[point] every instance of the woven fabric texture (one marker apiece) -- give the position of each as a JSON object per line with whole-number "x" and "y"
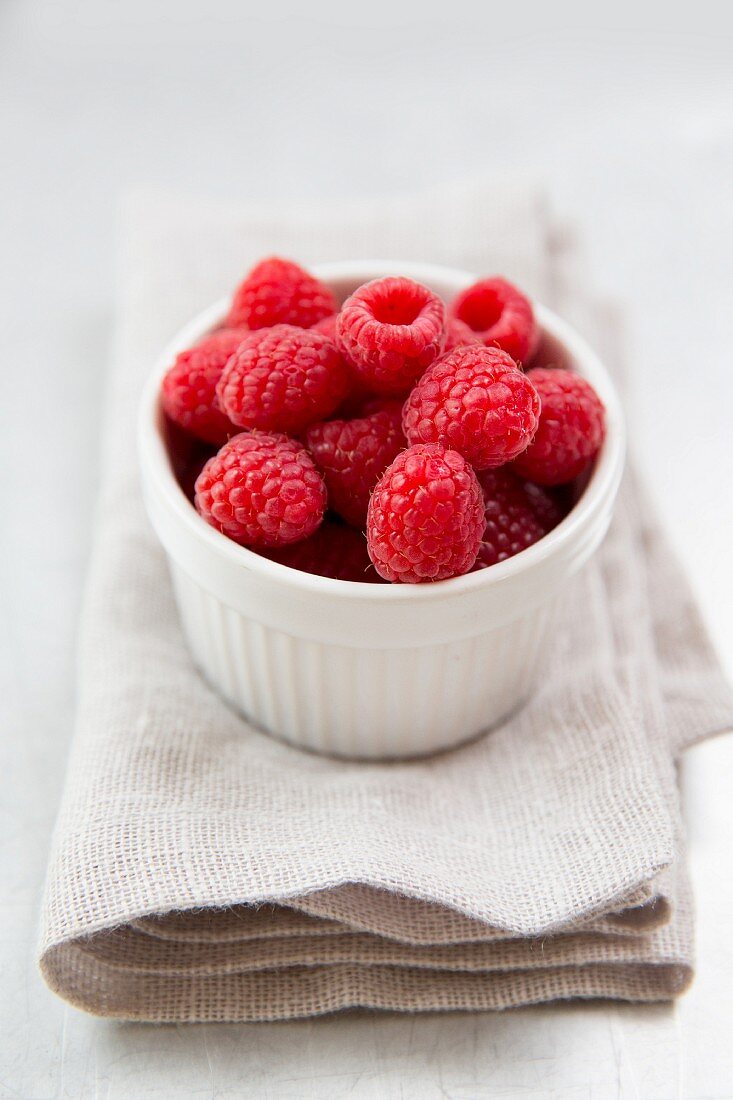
{"x": 203, "y": 871}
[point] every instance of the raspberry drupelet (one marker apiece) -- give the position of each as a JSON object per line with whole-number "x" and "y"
{"x": 475, "y": 400}
{"x": 500, "y": 315}
{"x": 282, "y": 379}
{"x": 426, "y": 516}
{"x": 353, "y": 454}
{"x": 391, "y": 330}
{"x": 571, "y": 428}
{"x": 189, "y": 388}
{"x": 261, "y": 489}
{"x": 280, "y": 292}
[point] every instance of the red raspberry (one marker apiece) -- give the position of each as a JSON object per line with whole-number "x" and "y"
{"x": 571, "y": 428}
{"x": 426, "y": 516}
{"x": 500, "y": 315}
{"x": 188, "y": 391}
{"x": 353, "y": 455}
{"x": 282, "y": 379}
{"x": 458, "y": 335}
{"x": 327, "y": 327}
{"x": 279, "y": 292}
{"x": 261, "y": 489}
{"x": 517, "y": 513}
{"x": 334, "y": 550}
{"x": 356, "y": 400}
{"x": 390, "y": 330}
{"x": 476, "y": 401}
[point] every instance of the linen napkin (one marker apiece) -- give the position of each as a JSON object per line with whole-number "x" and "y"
{"x": 204, "y": 871}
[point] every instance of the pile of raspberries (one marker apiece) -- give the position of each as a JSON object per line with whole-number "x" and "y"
{"x": 394, "y": 439}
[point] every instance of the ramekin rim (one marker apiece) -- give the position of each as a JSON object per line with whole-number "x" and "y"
{"x": 604, "y": 479}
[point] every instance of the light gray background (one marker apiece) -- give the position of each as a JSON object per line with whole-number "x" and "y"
{"x": 628, "y": 117}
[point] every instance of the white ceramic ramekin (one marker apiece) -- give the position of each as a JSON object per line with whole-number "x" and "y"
{"x": 365, "y": 670}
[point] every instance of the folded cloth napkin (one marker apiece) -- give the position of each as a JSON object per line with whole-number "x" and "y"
{"x": 204, "y": 871}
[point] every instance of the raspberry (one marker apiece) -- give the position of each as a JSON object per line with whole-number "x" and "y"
{"x": 500, "y": 315}
{"x": 353, "y": 455}
{"x": 475, "y": 400}
{"x": 571, "y": 428}
{"x": 391, "y": 330}
{"x": 426, "y": 516}
{"x": 188, "y": 391}
{"x": 326, "y": 327}
{"x": 279, "y": 292}
{"x": 334, "y": 550}
{"x": 517, "y": 514}
{"x": 261, "y": 489}
{"x": 458, "y": 335}
{"x": 282, "y": 379}
{"x": 356, "y": 400}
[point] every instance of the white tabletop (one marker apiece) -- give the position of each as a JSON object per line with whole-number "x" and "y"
{"x": 633, "y": 134}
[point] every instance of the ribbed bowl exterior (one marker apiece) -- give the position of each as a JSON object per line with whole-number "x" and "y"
{"x": 357, "y": 702}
